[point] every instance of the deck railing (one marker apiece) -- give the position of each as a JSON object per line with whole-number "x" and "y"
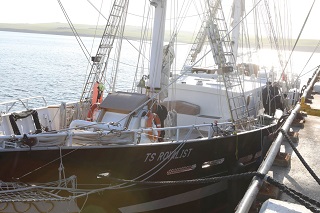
{"x": 256, "y": 183}
{"x": 13, "y": 141}
{"x": 24, "y": 103}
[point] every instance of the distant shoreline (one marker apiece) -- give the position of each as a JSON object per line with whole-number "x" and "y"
{"x": 38, "y": 32}
{"x": 132, "y": 33}
{"x": 41, "y": 32}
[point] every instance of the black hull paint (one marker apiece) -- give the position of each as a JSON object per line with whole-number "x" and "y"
{"x": 140, "y": 162}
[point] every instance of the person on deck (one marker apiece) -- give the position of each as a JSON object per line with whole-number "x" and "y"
{"x": 162, "y": 112}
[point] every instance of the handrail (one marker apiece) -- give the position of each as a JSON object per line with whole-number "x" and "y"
{"x": 24, "y": 101}
{"x": 256, "y": 183}
{"x": 177, "y": 128}
{"x": 137, "y": 133}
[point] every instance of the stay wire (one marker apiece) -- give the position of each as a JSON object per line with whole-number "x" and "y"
{"x": 82, "y": 46}
{"x": 107, "y": 20}
{"x": 295, "y": 44}
{"x": 96, "y": 29}
{"x": 315, "y": 49}
{"x": 312, "y": 70}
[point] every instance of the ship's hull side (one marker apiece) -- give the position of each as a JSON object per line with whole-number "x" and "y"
{"x": 200, "y": 158}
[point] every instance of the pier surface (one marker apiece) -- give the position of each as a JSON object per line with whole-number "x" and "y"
{"x": 295, "y": 175}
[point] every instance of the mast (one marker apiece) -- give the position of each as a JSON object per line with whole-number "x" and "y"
{"x": 237, "y": 12}
{"x": 157, "y": 45}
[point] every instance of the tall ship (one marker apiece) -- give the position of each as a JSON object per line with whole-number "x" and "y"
{"x": 138, "y": 150}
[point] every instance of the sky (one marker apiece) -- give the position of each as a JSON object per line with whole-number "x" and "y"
{"x": 81, "y": 12}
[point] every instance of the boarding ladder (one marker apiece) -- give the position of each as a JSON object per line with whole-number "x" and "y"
{"x": 114, "y": 27}
{"x": 221, "y": 48}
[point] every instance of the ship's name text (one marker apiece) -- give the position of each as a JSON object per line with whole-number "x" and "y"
{"x": 184, "y": 153}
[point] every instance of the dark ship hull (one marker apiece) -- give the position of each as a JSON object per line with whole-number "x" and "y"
{"x": 101, "y": 169}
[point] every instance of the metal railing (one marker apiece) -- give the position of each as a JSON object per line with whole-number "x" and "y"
{"x": 256, "y": 183}
{"x": 22, "y": 102}
{"x": 12, "y": 141}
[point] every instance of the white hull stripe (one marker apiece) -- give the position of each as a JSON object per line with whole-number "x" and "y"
{"x": 177, "y": 199}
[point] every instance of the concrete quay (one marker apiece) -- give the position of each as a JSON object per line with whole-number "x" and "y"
{"x": 289, "y": 170}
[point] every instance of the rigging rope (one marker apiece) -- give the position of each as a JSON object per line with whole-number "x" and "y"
{"x": 82, "y": 46}
{"x": 94, "y": 36}
{"x": 300, "y": 157}
{"x": 312, "y": 70}
{"x": 315, "y": 49}
{"x": 142, "y": 46}
{"x": 295, "y": 44}
{"x": 124, "y": 37}
{"x": 273, "y": 33}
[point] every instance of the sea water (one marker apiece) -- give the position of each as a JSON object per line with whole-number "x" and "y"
{"x": 55, "y": 67}
{"x": 40, "y": 65}
{"x": 52, "y": 66}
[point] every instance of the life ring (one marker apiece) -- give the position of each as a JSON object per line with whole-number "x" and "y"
{"x": 92, "y": 113}
{"x": 153, "y": 121}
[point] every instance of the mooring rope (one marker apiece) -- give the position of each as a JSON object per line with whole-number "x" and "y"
{"x": 300, "y": 156}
